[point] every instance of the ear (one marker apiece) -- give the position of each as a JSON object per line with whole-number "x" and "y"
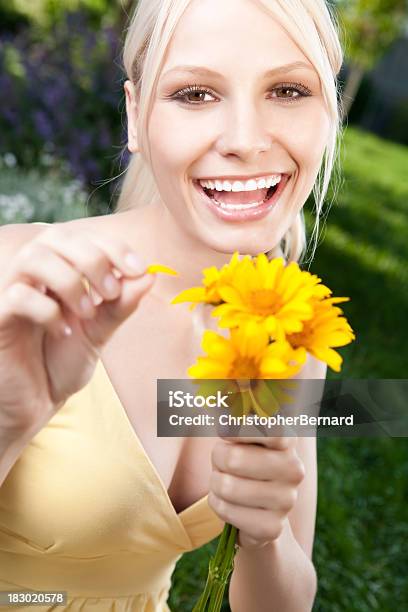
{"x": 131, "y": 111}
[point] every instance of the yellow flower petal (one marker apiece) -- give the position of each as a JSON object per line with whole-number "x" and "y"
{"x": 276, "y": 314}
{"x": 159, "y": 268}
{"x": 215, "y": 345}
{"x": 195, "y": 294}
{"x": 329, "y": 356}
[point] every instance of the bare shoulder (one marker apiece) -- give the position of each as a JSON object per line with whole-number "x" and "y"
{"x": 111, "y": 224}
{"x": 15, "y": 235}
{"x": 98, "y": 222}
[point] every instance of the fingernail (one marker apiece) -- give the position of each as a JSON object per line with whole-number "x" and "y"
{"x": 86, "y": 306}
{"x": 96, "y": 298}
{"x": 66, "y": 330}
{"x": 135, "y": 263}
{"x": 111, "y": 284}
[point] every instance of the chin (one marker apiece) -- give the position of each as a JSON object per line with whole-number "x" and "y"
{"x": 247, "y": 239}
{"x": 243, "y": 245}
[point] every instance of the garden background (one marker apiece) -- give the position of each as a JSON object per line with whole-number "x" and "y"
{"x": 63, "y": 142}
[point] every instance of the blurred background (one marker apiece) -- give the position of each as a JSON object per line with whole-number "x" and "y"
{"x": 63, "y": 149}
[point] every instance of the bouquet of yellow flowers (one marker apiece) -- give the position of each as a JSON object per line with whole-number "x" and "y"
{"x": 275, "y": 314}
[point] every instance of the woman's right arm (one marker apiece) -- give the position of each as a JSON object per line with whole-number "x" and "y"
{"x": 42, "y": 269}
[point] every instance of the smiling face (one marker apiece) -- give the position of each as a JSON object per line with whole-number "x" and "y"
{"x": 241, "y": 123}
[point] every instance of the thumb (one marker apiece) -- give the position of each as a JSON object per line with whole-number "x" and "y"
{"x": 112, "y": 313}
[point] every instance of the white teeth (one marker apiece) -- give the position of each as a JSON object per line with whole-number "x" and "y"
{"x": 238, "y": 206}
{"x": 251, "y": 185}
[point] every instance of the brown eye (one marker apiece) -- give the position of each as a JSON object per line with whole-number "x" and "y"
{"x": 197, "y": 94}
{"x": 291, "y": 92}
{"x": 184, "y": 95}
{"x": 287, "y": 90}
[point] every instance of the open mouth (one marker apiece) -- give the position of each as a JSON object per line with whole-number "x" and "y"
{"x": 242, "y": 205}
{"x": 252, "y": 198}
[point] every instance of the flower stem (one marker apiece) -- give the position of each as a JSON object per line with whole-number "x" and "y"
{"x": 227, "y": 565}
{"x": 220, "y": 568}
{"x": 214, "y": 563}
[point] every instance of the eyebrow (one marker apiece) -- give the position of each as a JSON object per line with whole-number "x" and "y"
{"x": 201, "y": 70}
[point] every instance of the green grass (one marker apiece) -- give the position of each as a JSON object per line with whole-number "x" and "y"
{"x": 360, "y": 550}
{"x": 363, "y": 254}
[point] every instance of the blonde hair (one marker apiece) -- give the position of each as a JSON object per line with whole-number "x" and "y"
{"x": 315, "y": 30}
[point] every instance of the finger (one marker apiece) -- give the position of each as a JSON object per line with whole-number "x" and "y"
{"x": 124, "y": 259}
{"x": 248, "y": 460}
{"x": 250, "y": 493}
{"x": 101, "y": 259}
{"x": 121, "y": 256}
{"x": 110, "y": 315}
{"x": 26, "y": 302}
{"x": 277, "y": 442}
{"x": 257, "y": 523}
{"x": 38, "y": 264}
{"x": 246, "y": 541}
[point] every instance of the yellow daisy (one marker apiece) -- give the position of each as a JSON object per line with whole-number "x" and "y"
{"x": 246, "y": 354}
{"x": 324, "y": 330}
{"x": 212, "y": 279}
{"x": 261, "y": 396}
{"x": 268, "y": 292}
{"x": 268, "y": 396}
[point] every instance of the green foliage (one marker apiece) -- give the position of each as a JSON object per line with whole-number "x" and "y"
{"x": 398, "y": 129}
{"x": 364, "y": 252}
{"x": 64, "y": 92}
{"x": 38, "y": 195}
{"x": 370, "y": 26}
{"x": 11, "y": 20}
{"x": 361, "y": 528}
{"x": 45, "y": 12}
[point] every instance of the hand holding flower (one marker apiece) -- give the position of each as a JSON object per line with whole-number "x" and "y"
{"x": 254, "y": 485}
{"x": 276, "y": 314}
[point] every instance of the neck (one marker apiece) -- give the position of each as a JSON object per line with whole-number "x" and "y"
{"x": 162, "y": 241}
{"x": 153, "y": 233}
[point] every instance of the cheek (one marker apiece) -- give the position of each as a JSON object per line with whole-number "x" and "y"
{"x": 171, "y": 154}
{"x": 308, "y": 138}
{"x": 176, "y": 137}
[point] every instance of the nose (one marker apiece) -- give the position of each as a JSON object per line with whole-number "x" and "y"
{"x": 244, "y": 134}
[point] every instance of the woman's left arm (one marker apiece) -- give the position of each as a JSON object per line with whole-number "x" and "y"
{"x": 280, "y": 575}
{"x": 270, "y": 493}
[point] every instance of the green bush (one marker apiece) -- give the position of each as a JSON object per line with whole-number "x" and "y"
{"x": 64, "y": 97}
{"x": 398, "y": 129}
{"x": 27, "y": 196}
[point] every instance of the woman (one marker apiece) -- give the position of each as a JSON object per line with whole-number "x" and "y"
{"x": 92, "y": 502}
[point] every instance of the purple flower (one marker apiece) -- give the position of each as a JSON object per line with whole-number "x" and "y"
{"x": 43, "y": 125}
{"x": 70, "y": 96}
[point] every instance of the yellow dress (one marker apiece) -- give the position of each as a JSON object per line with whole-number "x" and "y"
{"x": 84, "y": 511}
